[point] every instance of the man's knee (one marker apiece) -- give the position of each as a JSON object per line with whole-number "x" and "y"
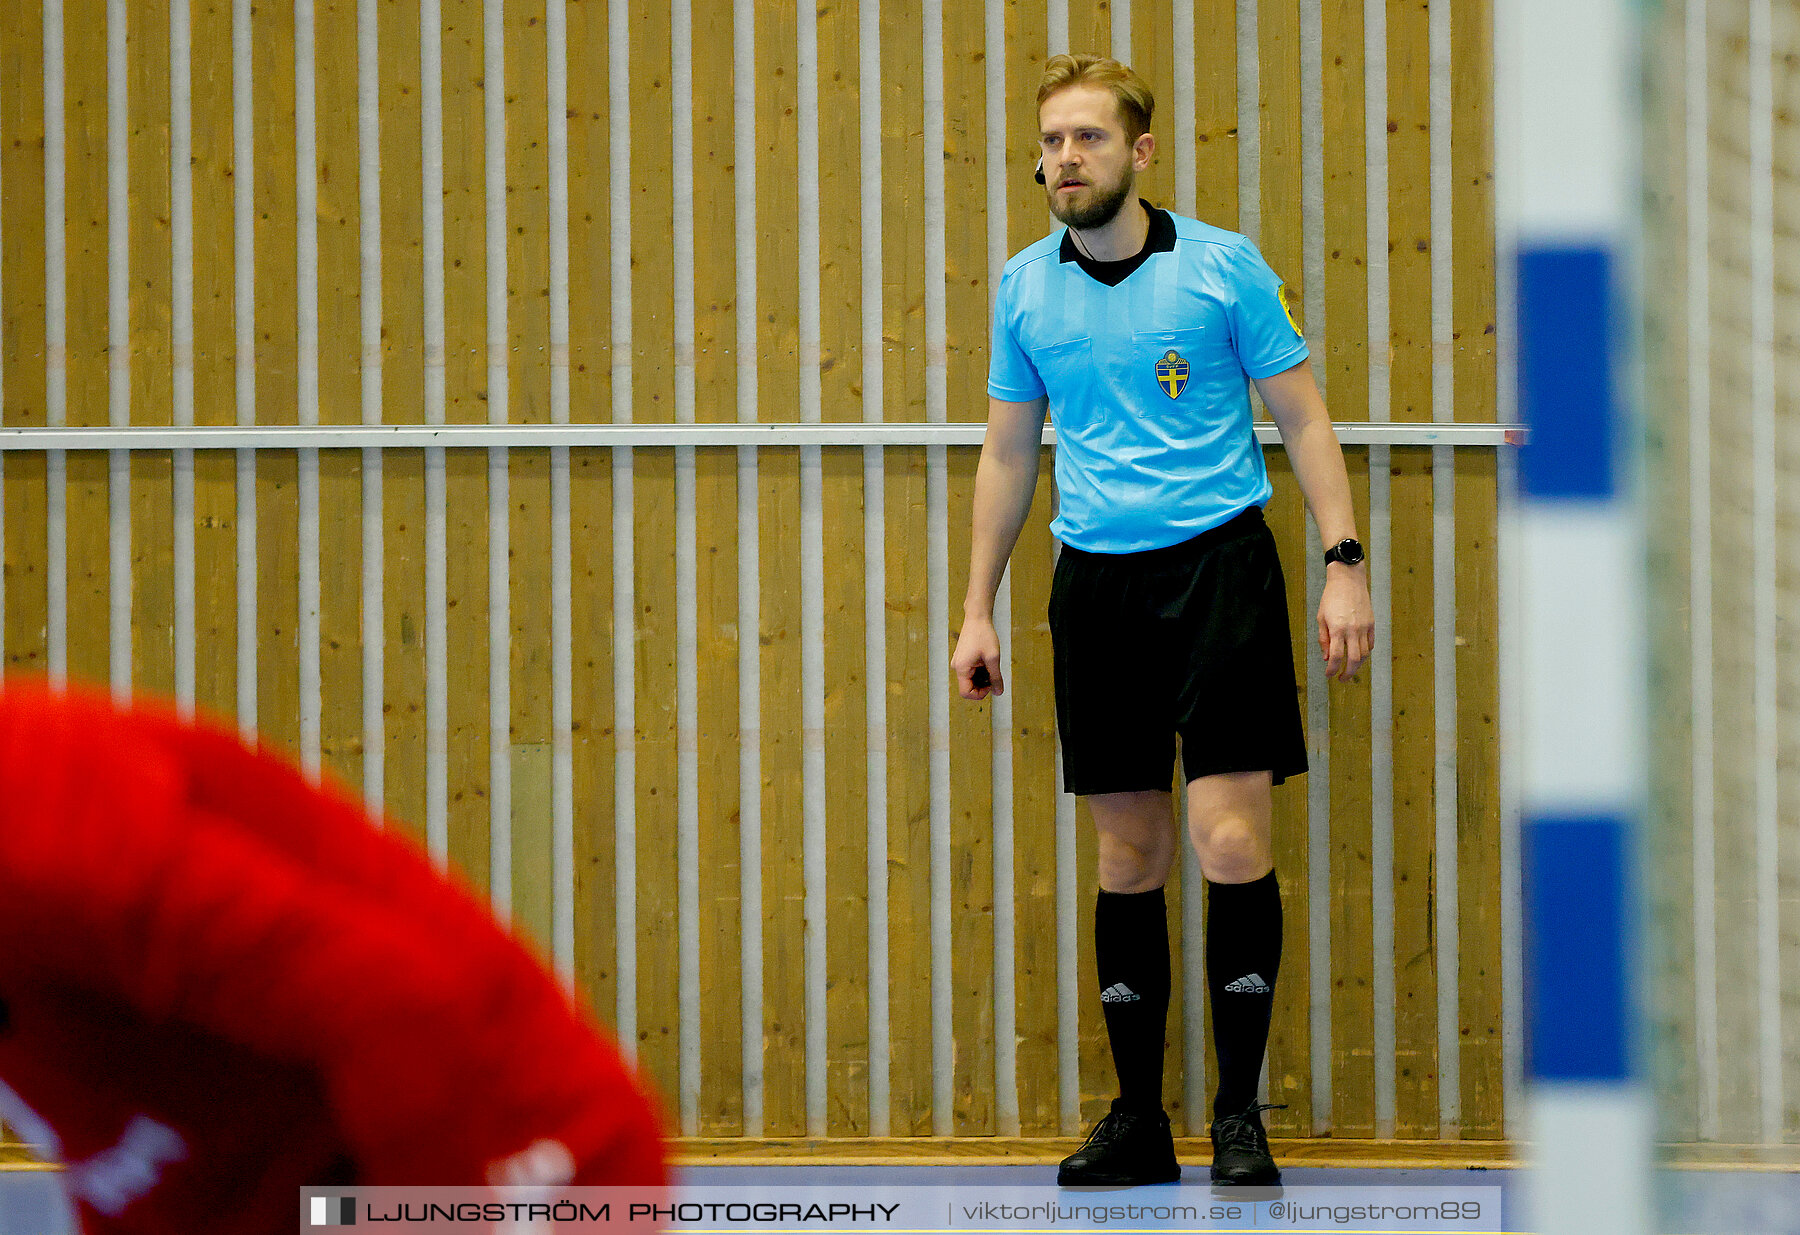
{"x": 1128, "y": 867}
{"x": 1232, "y": 848}
{"x": 1136, "y": 840}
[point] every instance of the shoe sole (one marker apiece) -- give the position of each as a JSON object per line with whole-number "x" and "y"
{"x": 1271, "y": 1181}
{"x": 1066, "y": 1180}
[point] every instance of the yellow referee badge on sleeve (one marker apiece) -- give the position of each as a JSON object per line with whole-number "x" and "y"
{"x": 1172, "y": 373}
{"x": 1290, "y": 305}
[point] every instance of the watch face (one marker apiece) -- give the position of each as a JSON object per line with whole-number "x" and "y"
{"x": 1349, "y": 552}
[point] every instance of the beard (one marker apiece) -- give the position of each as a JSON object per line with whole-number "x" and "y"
{"x": 1098, "y": 209}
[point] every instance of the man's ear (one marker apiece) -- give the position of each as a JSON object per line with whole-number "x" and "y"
{"x": 1141, "y": 150}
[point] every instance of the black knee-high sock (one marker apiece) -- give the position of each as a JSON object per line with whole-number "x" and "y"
{"x": 1131, "y": 951}
{"x": 1243, "y": 952}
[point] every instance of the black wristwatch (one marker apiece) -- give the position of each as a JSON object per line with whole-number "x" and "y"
{"x": 1349, "y": 551}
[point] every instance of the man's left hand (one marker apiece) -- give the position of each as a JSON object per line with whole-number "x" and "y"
{"x": 1346, "y": 620}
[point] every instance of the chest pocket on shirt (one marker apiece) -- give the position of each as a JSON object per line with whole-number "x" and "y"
{"x": 1168, "y": 362}
{"x": 1065, "y": 369}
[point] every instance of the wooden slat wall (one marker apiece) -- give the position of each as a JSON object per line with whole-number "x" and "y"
{"x": 1670, "y": 896}
{"x": 782, "y": 737}
{"x": 1474, "y": 322}
{"x": 1410, "y": 642}
{"x": 152, "y": 369}
{"x": 653, "y": 543}
{"x": 24, "y": 380}
{"x": 87, "y": 508}
{"x": 528, "y": 369}
{"x": 846, "y": 736}
{"x": 966, "y": 303}
{"x": 340, "y": 390}
{"x": 591, "y": 510}
{"x": 1028, "y": 678}
{"x": 773, "y": 1092}
{"x": 908, "y": 606}
{"x": 1344, "y": 371}
{"x": 215, "y": 358}
{"x": 469, "y": 803}
{"x": 276, "y": 236}
{"x": 1733, "y": 555}
{"x": 717, "y": 656}
{"x": 1721, "y": 163}
{"x": 403, "y": 401}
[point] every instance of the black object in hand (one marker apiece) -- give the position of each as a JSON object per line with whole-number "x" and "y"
{"x": 979, "y": 678}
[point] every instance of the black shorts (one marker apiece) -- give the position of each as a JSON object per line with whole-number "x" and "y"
{"x": 1192, "y": 639}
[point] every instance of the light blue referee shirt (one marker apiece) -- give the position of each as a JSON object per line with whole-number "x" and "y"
{"x": 1146, "y": 381}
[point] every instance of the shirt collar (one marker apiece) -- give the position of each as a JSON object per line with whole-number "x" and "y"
{"x": 1160, "y": 240}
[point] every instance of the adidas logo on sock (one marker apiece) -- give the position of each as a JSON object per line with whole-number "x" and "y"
{"x": 1249, "y": 984}
{"x": 1118, "y": 992}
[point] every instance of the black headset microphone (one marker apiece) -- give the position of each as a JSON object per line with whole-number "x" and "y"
{"x": 1039, "y": 174}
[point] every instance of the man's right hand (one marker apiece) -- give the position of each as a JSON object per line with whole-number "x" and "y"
{"x": 978, "y": 647}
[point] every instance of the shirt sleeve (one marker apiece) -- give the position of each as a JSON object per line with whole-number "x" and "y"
{"x": 1011, "y": 375}
{"x": 1264, "y": 333}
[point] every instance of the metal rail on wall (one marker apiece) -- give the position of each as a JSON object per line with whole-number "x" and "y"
{"x": 328, "y": 437}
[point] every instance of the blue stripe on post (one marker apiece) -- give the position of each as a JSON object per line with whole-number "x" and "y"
{"x": 1577, "y": 894}
{"x": 1566, "y": 332}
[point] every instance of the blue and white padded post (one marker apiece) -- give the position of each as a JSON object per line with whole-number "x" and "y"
{"x": 1568, "y": 102}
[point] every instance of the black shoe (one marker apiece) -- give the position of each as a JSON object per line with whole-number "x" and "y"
{"x": 1124, "y": 1150}
{"x": 1241, "y": 1157}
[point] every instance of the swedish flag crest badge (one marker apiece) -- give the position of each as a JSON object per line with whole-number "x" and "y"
{"x": 1172, "y": 374}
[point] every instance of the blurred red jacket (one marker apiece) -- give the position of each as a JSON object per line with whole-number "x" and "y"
{"x": 220, "y": 982}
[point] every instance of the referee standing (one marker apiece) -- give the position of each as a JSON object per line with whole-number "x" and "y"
{"x": 1136, "y": 329}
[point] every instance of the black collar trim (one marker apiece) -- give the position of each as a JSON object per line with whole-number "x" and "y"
{"x": 1160, "y": 240}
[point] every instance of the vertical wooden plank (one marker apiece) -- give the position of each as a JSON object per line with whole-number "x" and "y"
{"x": 971, "y": 725}
{"x": 528, "y": 402}
{"x": 215, "y": 357}
{"x": 716, "y": 600}
{"x": 653, "y": 543}
{"x": 152, "y": 361}
{"x": 1090, "y": 26}
{"x": 1290, "y": 1030}
{"x": 85, "y": 237}
{"x": 1414, "y": 724}
{"x": 590, "y": 500}
{"x": 1153, "y": 53}
{"x": 846, "y": 934}
{"x": 467, "y": 743}
{"x": 468, "y": 792}
{"x": 908, "y": 603}
{"x": 1733, "y": 572}
{"x": 1415, "y": 974}
{"x": 778, "y": 389}
{"x": 403, "y": 396}
{"x": 1666, "y": 461}
{"x": 1025, "y": 650}
{"x": 1279, "y": 95}
{"x": 1785, "y": 37}
{"x": 1343, "y": 368}
{"x": 22, "y": 330}
{"x": 340, "y": 389}
{"x": 277, "y": 471}
{"x": 1480, "y": 877}
{"x": 846, "y": 937}
{"x": 1215, "y": 111}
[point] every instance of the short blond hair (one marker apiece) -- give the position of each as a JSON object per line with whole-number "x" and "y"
{"x": 1136, "y": 103}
